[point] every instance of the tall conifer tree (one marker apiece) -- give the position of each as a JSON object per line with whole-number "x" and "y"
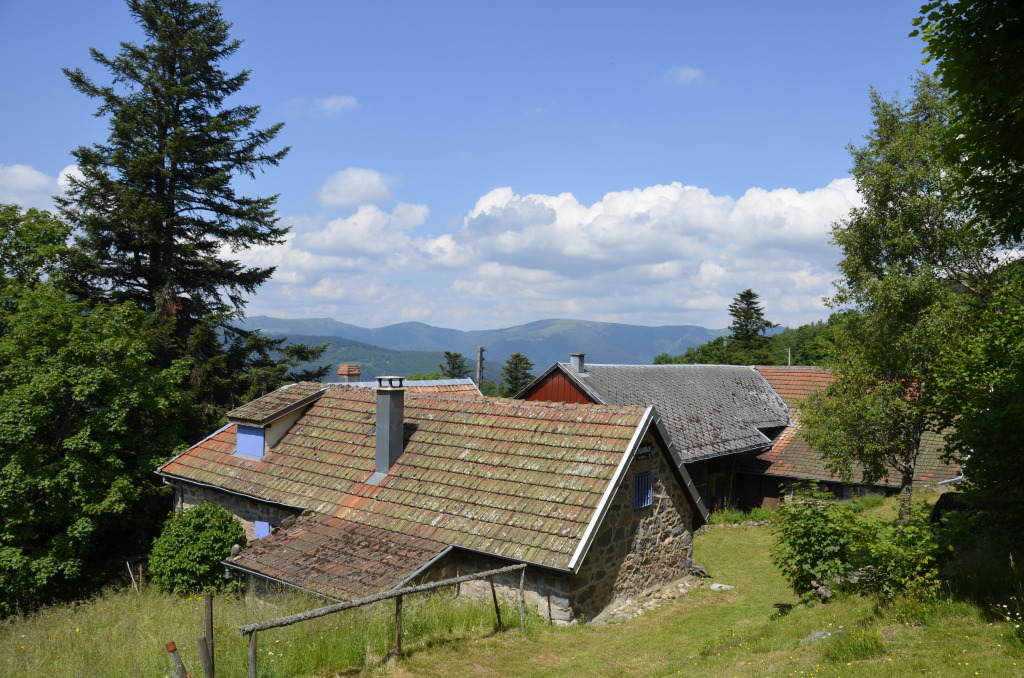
{"x": 156, "y": 204}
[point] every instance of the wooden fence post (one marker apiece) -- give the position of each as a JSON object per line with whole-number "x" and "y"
{"x": 522, "y": 600}
{"x": 252, "y": 654}
{"x": 398, "y": 626}
{"x": 209, "y": 631}
{"x": 204, "y": 657}
{"x": 494, "y": 596}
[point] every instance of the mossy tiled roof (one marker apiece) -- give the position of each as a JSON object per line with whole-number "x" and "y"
{"x": 513, "y": 478}
{"x": 791, "y": 456}
{"x": 337, "y": 558}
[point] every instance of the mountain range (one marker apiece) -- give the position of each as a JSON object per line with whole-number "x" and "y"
{"x": 414, "y": 347}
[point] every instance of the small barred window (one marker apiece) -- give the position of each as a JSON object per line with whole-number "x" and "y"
{"x": 643, "y": 490}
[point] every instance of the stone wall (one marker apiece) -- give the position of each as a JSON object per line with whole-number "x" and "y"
{"x": 545, "y": 592}
{"x": 637, "y": 549}
{"x": 248, "y": 511}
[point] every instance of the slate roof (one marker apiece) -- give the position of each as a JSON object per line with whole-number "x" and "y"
{"x": 708, "y": 410}
{"x": 521, "y": 480}
{"x": 792, "y": 457}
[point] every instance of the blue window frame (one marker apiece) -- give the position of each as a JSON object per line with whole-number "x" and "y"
{"x": 262, "y": 528}
{"x": 643, "y": 489}
{"x": 250, "y": 440}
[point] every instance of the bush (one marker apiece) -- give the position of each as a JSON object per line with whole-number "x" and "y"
{"x": 186, "y": 556}
{"x": 817, "y": 539}
{"x": 904, "y": 557}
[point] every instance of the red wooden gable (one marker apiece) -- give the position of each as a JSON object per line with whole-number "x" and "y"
{"x": 557, "y": 388}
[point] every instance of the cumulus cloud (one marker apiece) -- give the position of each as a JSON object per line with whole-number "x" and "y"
{"x": 683, "y": 75}
{"x": 334, "y": 105}
{"x": 353, "y": 187}
{"x": 28, "y": 187}
{"x": 663, "y": 254}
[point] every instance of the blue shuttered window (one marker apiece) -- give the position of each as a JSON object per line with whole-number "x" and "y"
{"x": 643, "y": 490}
{"x": 261, "y": 528}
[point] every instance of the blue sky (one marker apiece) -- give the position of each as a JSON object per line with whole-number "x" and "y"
{"x": 476, "y": 165}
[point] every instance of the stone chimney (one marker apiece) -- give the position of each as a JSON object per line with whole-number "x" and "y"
{"x": 348, "y": 373}
{"x": 390, "y": 420}
{"x": 577, "y": 363}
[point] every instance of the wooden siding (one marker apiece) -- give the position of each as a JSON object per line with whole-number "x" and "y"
{"x": 556, "y": 388}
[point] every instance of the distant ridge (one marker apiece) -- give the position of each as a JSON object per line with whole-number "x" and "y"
{"x": 544, "y": 341}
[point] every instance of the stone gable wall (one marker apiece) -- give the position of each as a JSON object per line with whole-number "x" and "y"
{"x": 248, "y": 511}
{"x": 637, "y": 549}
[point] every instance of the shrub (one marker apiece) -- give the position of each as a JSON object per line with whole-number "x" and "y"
{"x": 824, "y": 540}
{"x": 904, "y": 557}
{"x": 186, "y": 556}
{"x": 816, "y": 539}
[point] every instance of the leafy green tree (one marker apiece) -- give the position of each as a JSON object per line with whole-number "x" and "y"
{"x": 186, "y": 557}
{"x": 821, "y": 543}
{"x": 156, "y": 211}
{"x": 454, "y": 366}
{"x": 977, "y": 48}
{"x": 85, "y": 415}
{"x": 516, "y": 374}
{"x": 816, "y": 540}
{"x": 425, "y": 376}
{"x": 805, "y": 345}
{"x": 901, "y": 250}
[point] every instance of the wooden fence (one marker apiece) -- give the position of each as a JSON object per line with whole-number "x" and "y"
{"x": 252, "y": 629}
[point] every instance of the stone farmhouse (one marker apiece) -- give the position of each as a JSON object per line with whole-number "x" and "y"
{"x": 716, "y": 415}
{"x": 763, "y": 479}
{"x": 347, "y": 490}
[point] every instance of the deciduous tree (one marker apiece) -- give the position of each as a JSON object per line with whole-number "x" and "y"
{"x": 85, "y": 415}
{"x": 902, "y": 250}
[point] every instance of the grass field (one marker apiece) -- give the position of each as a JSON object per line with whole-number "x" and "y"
{"x": 756, "y": 629}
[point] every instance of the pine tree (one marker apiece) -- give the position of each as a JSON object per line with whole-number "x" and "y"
{"x": 156, "y": 205}
{"x": 454, "y": 366}
{"x": 748, "y": 322}
{"x": 516, "y": 374}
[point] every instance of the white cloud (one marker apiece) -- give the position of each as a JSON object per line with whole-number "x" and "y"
{"x": 353, "y": 187}
{"x": 683, "y": 75}
{"x": 334, "y": 105}
{"x": 369, "y": 232}
{"x": 28, "y": 187}
{"x": 663, "y": 254}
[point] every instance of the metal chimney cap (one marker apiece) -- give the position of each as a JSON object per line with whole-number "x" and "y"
{"x": 392, "y": 382}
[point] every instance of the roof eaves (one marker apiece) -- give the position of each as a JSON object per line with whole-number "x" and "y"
{"x": 424, "y": 567}
{"x": 688, "y": 484}
{"x": 168, "y": 478}
{"x": 234, "y": 566}
{"x": 159, "y": 469}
